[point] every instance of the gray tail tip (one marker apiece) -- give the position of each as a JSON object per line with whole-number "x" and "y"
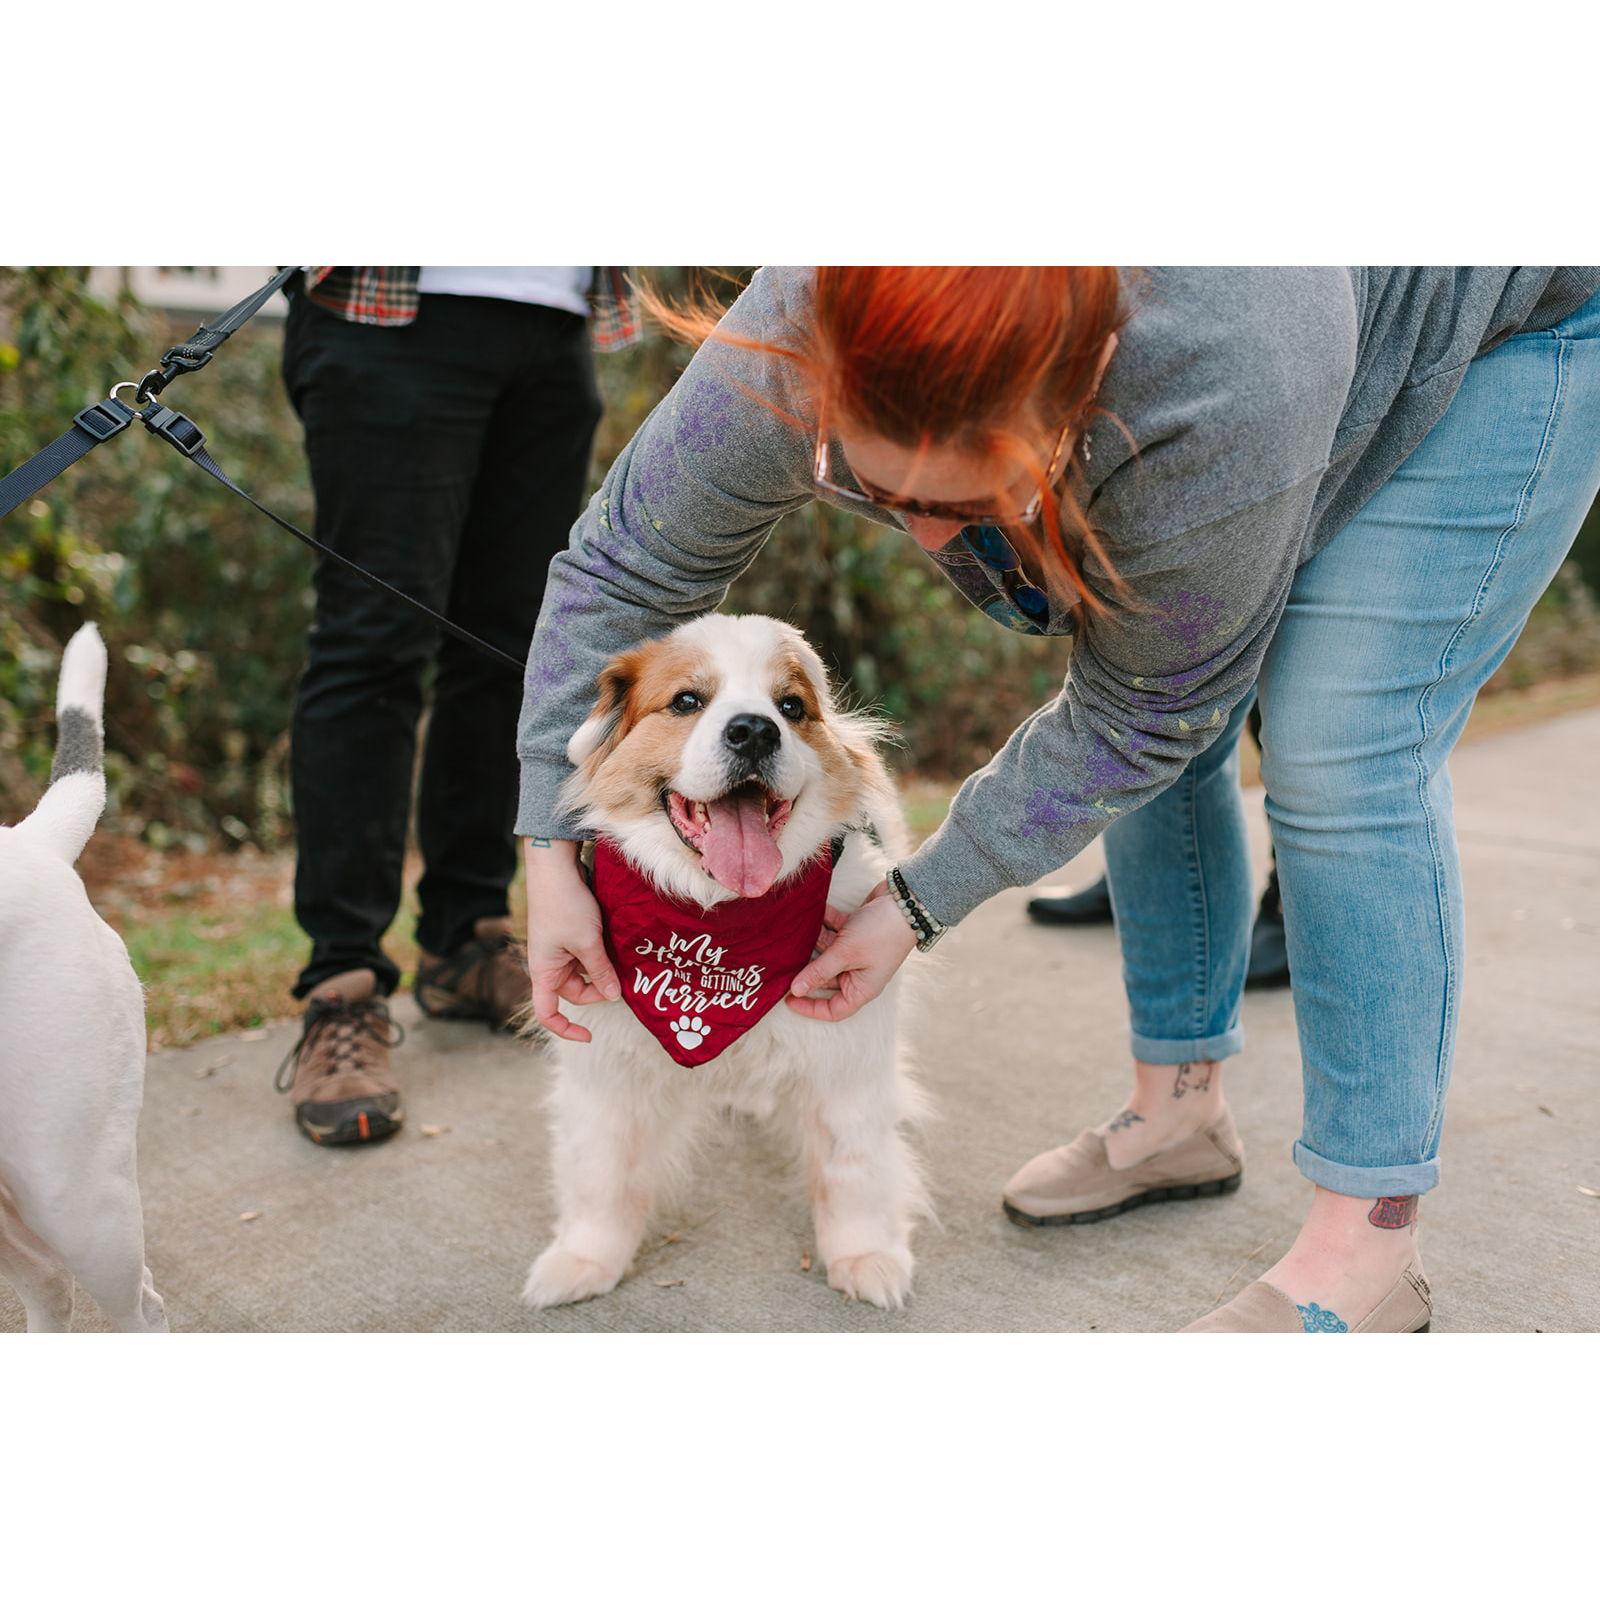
{"x": 80, "y": 745}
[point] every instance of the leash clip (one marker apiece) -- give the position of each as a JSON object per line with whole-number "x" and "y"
{"x": 174, "y": 427}
{"x": 179, "y": 359}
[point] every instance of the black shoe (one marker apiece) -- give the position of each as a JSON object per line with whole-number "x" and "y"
{"x": 1081, "y": 910}
{"x": 1269, "y": 951}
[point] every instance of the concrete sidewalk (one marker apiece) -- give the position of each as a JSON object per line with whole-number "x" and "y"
{"x": 1022, "y": 1039}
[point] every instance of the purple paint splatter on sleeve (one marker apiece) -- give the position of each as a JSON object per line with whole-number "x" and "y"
{"x": 1190, "y": 618}
{"x": 704, "y": 417}
{"x": 1051, "y": 811}
{"x": 1190, "y": 676}
{"x": 697, "y": 421}
{"x": 1110, "y": 770}
{"x": 652, "y": 468}
{"x": 551, "y": 661}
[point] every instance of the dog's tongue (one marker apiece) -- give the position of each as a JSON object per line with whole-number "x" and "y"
{"x": 738, "y": 851}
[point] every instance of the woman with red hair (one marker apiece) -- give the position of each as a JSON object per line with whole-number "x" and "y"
{"x": 1338, "y": 490}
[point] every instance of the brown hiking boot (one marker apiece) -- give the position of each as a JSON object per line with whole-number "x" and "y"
{"x": 484, "y": 980}
{"x": 338, "y": 1077}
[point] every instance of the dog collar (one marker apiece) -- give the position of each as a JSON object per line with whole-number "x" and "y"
{"x": 699, "y": 978}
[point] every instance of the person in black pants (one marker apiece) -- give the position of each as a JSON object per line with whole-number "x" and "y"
{"x": 448, "y": 454}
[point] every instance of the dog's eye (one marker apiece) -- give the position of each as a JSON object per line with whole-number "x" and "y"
{"x": 686, "y": 701}
{"x": 793, "y": 707}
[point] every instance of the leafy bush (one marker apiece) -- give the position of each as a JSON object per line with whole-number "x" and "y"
{"x": 203, "y": 603}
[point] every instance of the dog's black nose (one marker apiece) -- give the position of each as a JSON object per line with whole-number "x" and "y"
{"x": 751, "y": 737}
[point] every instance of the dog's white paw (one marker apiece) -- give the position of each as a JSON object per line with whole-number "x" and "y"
{"x": 879, "y": 1278}
{"x": 559, "y": 1277}
{"x": 690, "y": 1032}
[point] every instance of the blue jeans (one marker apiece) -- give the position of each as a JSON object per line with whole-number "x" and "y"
{"x": 1389, "y": 633}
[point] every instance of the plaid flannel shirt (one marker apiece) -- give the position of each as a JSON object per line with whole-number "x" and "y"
{"x": 388, "y": 297}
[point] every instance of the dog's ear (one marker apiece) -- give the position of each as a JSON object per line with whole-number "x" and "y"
{"x": 594, "y": 740}
{"x": 861, "y": 736}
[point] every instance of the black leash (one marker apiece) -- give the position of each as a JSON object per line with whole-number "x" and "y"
{"x": 197, "y": 350}
{"x": 187, "y": 440}
{"x": 95, "y": 424}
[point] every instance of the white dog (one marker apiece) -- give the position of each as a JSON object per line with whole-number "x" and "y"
{"x": 718, "y": 767}
{"x": 71, "y": 1046}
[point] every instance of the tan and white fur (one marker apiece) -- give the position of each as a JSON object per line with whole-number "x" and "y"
{"x": 72, "y": 1046}
{"x": 626, "y": 1119}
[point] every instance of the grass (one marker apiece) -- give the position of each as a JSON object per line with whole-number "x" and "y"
{"x": 925, "y": 802}
{"x": 205, "y": 975}
{"x": 214, "y": 940}
{"x": 212, "y": 936}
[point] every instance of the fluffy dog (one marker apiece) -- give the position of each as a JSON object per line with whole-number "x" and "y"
{"x": 71, "y": 1046}
{"x": 718, "y": 764}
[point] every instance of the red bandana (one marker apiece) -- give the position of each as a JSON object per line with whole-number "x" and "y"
{"x": 700, "y": 979}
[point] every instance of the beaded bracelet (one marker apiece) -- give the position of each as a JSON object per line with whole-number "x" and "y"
{"x": 928, "y": 929}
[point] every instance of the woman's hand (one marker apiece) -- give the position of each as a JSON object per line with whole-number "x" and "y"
{"x": 858, "y": 962}
{"x": 833, "y": 924}
{"x": 566, "y": 956}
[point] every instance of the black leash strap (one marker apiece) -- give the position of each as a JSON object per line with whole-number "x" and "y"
{"x": 95, "y": 424}
{"x": 203, "y": 343}
{"x": 92, "y": 426}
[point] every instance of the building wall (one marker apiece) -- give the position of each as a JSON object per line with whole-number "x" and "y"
{"x": 187, "y": 292}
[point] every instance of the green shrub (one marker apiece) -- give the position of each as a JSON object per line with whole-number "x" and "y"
{"x": 203, "y": 603}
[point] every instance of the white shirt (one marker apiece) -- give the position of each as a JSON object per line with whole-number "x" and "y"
{"x": 565, "y": 288}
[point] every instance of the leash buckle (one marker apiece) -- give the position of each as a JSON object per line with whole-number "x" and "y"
{"x": 105, "y": 419}
{"x": 175, "y": 428}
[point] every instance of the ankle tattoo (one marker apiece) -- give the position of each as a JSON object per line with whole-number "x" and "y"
{"x": 1123, "y": 1119}
{"x": 1318, "y": 1319}
{"x": 1195, "y": 1076}
{"x": 1394, "y": 1211}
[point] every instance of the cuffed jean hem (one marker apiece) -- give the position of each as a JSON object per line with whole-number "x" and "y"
{"x": 1366, "y": 1183}
{"x": 1180, "y": 1052}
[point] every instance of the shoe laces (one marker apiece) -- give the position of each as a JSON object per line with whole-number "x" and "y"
{"x": 349, "y": 1021}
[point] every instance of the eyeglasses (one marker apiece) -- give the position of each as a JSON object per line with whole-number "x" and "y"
{"x": 988, "y": 545}
{"x": 940, "y": 511}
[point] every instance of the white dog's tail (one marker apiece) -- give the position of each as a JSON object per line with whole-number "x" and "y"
{"x": 65, "y": 817}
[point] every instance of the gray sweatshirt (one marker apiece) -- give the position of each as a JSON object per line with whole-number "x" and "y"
{"x": 1267, "y": 404}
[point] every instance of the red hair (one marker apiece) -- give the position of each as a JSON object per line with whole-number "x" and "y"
{"x": 994, "y": 361}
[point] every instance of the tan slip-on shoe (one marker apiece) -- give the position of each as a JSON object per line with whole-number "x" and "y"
{"x": 1077, "y": 1184}
{"x": 1407, "y": 1308}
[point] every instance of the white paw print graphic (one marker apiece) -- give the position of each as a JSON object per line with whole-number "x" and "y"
{"x": 690, "y": 1032}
